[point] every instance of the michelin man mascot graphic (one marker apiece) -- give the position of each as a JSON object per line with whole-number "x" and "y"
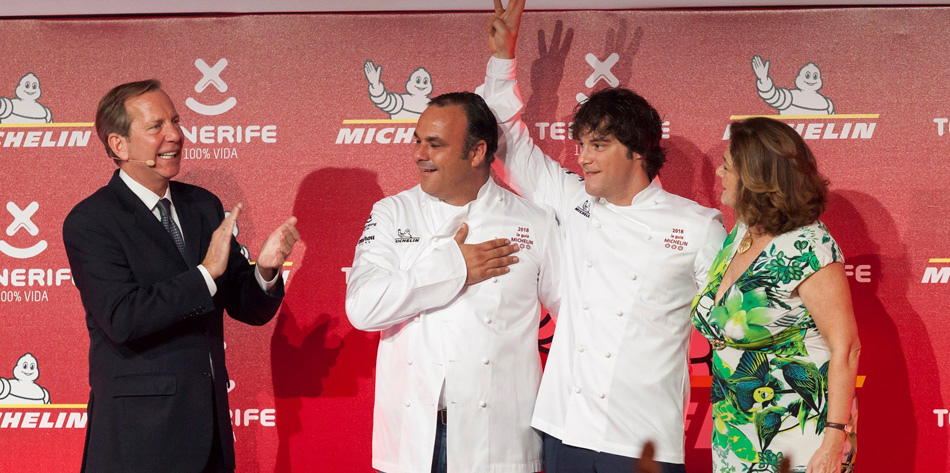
{"x": 22, "y": 388}
{"x": 803, "y": 100}
{"x": 25, "y": 108}
{"x": 408, "y": 105}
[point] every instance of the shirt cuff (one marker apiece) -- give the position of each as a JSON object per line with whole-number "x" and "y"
{"x": 266, "y": 285}
{"x": 212, "y": 287}
{"x": 501, "y": 68}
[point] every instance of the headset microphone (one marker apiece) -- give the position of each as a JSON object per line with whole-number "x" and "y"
{"x": 150, "y": 163}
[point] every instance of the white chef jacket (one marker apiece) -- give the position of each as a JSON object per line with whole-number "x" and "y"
{"x": 480, "y": 342}
{"x": 617, "y": 375}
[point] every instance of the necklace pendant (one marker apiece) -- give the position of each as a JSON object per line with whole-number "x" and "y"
{"x": 745, "y": 244}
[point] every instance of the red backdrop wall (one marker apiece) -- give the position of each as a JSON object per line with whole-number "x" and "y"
{"x": 278, "y": 116}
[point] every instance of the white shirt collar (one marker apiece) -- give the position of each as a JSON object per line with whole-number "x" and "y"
{"x": 650, "y": 195}
{"x": 143, "y": 193}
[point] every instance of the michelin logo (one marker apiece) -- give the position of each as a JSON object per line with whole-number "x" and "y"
{"x": 815, "y": 113}
{"x": 802, "y": 100}
{"x": 25, "y": 108}
{"x": 401, "y": 108}
{"x": 22, "y": 387}
{"x": 398, "y": 106}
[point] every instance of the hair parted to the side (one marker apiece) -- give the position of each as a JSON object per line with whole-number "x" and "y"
{"x": 780, "y": 188}
{"x": 629, "y": 118}
{"x": 481, "y": 122}
{"x": 111, "y": 115}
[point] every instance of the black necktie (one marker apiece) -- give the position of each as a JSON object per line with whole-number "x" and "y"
{"x": 164, "y": 208}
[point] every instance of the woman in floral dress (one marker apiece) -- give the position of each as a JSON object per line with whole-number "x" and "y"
{"x": 777, "y": 311}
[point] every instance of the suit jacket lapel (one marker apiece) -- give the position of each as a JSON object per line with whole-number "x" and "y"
{"x": 144, "y": 219}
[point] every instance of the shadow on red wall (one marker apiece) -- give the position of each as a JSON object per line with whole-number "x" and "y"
{"x": 323, "y": 367}
{"x": 888, "y": 430}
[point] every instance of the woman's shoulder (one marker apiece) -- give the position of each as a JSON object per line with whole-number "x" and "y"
{"x": 812, "y": 243}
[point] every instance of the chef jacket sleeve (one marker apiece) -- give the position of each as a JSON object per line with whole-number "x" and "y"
{"x": 714, "y": 235}
{"x": 382, "y": 290}
{"x": 527, "y": 170}
{"x": 549, "y": 278}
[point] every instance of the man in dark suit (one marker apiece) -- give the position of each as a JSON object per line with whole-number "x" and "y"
{"x": 156, "y": 266}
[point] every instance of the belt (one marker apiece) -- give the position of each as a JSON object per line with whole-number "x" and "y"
{"x": 444, "y": 416}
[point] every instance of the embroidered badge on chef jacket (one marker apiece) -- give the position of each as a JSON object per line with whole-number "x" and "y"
{"x": 584, "y": 209}
{"x": 676, "y": 240}
{"x": 405, "y": 236}
{"x": 523, "y": 238}
{"x": 369, "y": 223}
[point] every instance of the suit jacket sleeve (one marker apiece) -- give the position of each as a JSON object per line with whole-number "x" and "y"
{"x": 129, "y": 305}
{"x": 122, "y": 307}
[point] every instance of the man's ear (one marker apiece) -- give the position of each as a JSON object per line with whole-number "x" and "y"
{"x": 119, "y": 146}
{"x": 477, "y": 153}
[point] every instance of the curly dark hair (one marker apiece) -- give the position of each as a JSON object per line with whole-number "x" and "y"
{"x": 481, "y": 122}
{"x": 629, "y": 118}
{"x": 780, "y": 188}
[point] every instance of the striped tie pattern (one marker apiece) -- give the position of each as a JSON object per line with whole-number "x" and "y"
{"x": 164, "y": 208}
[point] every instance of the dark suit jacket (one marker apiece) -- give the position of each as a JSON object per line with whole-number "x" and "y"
{"x": 153, "y": 326}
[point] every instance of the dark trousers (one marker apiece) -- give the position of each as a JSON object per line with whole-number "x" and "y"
{"x": 560, "y": 458}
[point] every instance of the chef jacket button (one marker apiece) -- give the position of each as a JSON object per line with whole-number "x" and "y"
{"x": 423, "y": 203}
{"x": 619, "y": 313}
{"x": 589, "y": 264}
{"x": 410, "y": 362}
{"x": 206, "y": 374}
{"x": 408, "y": 403}
{"x": 580, "y": 348}
{"x": 482, "y": 404}
{"x": 487, "y": 320}
{"x": 634, "y": 277}
{"x": 577, "y": 389}
{"x": 494, "y": 280}
{"x": 500, "y": 199}
{"x": 607, "y": 355}
{"x": 418, "y": 319}
{"x": 586, "y": 307}
{"x": 603, "y": 395}
{"x": 596, "y": 224}
{"x": 649, "y": 237}
{"x": 484, "y": 361}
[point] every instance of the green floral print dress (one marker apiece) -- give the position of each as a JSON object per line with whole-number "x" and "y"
{"x": 770, "y": 365}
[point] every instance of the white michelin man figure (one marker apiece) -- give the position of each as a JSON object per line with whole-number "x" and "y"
{"x": 22, "y": 388}
{"x": 803, "y": 100}
{"x": 408, "y": 105}
{"x": 25, "y": 108}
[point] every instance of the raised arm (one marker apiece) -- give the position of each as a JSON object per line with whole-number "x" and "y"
{"x": 536, "y": 176}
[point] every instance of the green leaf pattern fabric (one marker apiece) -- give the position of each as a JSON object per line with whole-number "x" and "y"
{"x": 770, "y": 373}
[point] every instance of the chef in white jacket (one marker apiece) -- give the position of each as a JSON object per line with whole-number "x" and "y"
{"x": 458, "y": 368}
{"x": 634, "y": 257}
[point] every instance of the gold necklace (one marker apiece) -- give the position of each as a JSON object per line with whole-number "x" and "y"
{"x": 745, "y": 244}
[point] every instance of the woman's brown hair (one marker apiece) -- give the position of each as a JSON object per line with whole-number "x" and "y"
{"x": 779, "y": 187}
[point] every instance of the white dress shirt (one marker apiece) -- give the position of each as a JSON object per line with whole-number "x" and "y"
{"x": 617, "y": 375}
{"x": 477, "y": 343}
